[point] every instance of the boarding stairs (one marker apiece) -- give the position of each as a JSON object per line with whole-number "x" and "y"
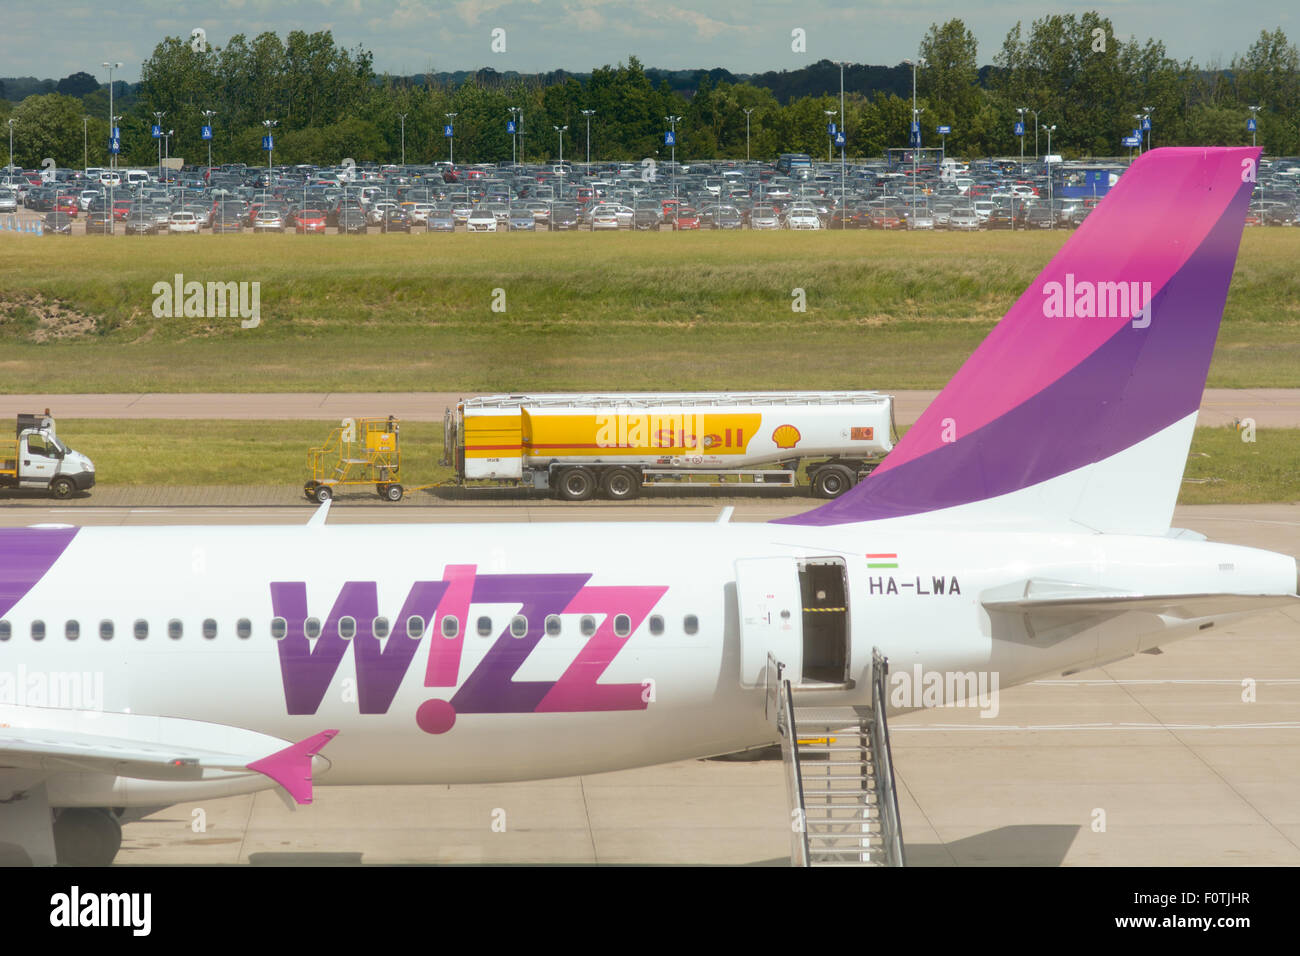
{"x": 839, "y": 775}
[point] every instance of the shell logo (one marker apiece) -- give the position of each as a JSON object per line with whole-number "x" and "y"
{"x": 786, "y": 436}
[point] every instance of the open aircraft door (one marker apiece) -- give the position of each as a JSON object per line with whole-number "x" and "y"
{"x": 771, "y": 617}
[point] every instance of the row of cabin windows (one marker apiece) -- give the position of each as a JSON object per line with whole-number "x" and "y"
{"x": 347, "y": 627}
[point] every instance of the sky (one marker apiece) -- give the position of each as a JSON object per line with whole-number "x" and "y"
{"x": 53, "y": 38}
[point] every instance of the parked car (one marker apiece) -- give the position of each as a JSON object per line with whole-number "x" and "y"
{"x": 183, "y": 222}
{"x": 395, "y": 220}
{"x": 309, "y": 220}
{"x": 56, "y": 224}
{"x": 481, "y": 220}
{"x": 440, "y": 219}
{"x": 99, "y": 221}
{"x": 564, "y": 217}
{"x": 686, "y": 217}
{"x": 268, "y": 220}
{"x": 963, "y": 219}
{"x": 141, "y": 223}
{"x": 764, "y": 217}
{"x": 353, "y": 221}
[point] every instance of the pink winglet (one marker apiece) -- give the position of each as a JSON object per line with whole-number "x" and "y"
{"x": 291, "y": 767}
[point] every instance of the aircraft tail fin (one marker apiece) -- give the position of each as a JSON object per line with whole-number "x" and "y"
{"x": 1079, "y": 406}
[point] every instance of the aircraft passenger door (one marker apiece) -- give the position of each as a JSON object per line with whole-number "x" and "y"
{"x": 771, "y": 617}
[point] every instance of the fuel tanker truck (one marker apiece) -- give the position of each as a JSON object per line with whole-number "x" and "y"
{"x": 579, "y": 446}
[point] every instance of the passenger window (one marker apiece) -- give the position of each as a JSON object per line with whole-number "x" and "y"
{"x": 174, "y": 629}
{"x": 622, "y": 625}
{"x": 140, "y": 628}
{"x": 72, "y": 630}
{"x": 347, "y": 628}
{"x": 691, "y": 624}
{"x": 311, "y": 627}
{"x": 553, "y": 625}
{"x": 244, "y": 628}
{"x": 518, "y": 626}
{"x": 484, "y": 627}
{"x": 279, "y": 628}
{"x": 106, "y": 630}
{"x": 6, "y": 629}
{"x": 450, "y": 626}
{"x": 380, "y": 627}
{"x": 414, "y": 627}
{"x": 587, "y": 625}
{"x": 656, "y": 624}
{"x": 38, "y": 630}
{"x": 209, "y": 628}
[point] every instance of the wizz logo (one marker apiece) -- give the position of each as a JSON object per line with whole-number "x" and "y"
{"x": 308, "y": 666}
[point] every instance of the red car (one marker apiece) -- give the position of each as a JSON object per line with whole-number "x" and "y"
{"x": 121, "y": 209}
{"x": 68, "y": 205}
{"x": 309, "y": 220}
{"x": 687, "y": 218}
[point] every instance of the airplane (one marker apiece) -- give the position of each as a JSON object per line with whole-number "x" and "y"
{"x": 1021, "y": 527}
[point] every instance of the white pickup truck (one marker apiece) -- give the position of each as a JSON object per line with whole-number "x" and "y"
{"x": 37, "y": 460}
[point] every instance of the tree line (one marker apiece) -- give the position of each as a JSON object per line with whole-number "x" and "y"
{"x": 1071, "y": 72}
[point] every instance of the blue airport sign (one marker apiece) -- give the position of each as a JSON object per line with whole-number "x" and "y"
{"x": 115, "y": 145}
{"x": 1020, "y": 129}
{"x": 205, "y": 132}
{"x": 943, "y": 130}
{"x": 839, "y": 139}
{"x": 155, "y": 131}
{"x": 830, "y": 129}
{"x": 116, "y": 132}
{"x": 1146, "y": 122}
{"x": 447, "y": 131}
{"x": 268, "y": 143}
{"x": 510, "y": 126}
{"x": 670, "y": 138}
{"x": 1131, "y": 141}
{"x": 1250, "y": 125}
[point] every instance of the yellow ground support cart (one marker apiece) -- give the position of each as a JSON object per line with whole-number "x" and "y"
{"x": 361, "y": 451}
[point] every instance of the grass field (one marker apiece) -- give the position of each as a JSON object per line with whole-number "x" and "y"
{"x": 582, "y": 311}
{"x": 1222, "y": 469}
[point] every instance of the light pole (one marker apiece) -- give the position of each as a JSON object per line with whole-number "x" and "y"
{"x": 158, "y": 118}
{"x": 1050, "y": 206}
{"x": 560, "y": 130}
{"x": 514, "y": 137}
{"x": 589, "y": 114}
{"x": 11, "y": 146}
{"x": 1147, "y": 123}
{"x": 85, "y": 143}
{"x": 1035, "y": 112}
{"x": 269, "y": 124}
{"x": 451, "y": 140}
{"x": 402, "y": 117}
{"x": 747, "y": 112}
{"x": 672, "y": 125}
{"x": 916, "y": 125}
{"x": 830, "y": 137}
{"x": 1022, "y": 110}
{"x": 1137, "y": 118}
{"x": 1254, "y": 122}
{"x": 207, "y": 115}
{"x": 112, "y": 157}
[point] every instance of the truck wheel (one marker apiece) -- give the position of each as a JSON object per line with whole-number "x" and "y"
{"x": 393, "y": 492}
{"x": 576, "y": 484}
{"x": 831, "y": 481}
{"x": 621, "y": 484}
{"x": 323, "y": 493}
{"x": 62, "y": 488}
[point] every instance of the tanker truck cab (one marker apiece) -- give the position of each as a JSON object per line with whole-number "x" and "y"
{"x": 36, "y": 459}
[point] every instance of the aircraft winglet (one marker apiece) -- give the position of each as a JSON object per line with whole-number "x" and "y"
{"x": 291, "y": 767}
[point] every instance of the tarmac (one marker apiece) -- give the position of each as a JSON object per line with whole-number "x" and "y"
{"x": 1269, "y": 407}
{"x": 1191, "y": 757}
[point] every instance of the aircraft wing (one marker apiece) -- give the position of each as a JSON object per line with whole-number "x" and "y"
{"x": 152, "y": 748}
{"x": 1053, "y": 601}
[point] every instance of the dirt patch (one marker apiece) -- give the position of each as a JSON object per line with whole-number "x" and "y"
{"x": 38, "y": 319}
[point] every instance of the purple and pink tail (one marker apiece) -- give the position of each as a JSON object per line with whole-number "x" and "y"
{"x": 1079, "y": 406}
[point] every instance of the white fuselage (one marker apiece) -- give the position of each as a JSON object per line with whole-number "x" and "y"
{"x": 543, "y": 704}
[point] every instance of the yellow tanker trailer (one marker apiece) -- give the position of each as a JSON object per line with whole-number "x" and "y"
{"x": 581, "y": 445}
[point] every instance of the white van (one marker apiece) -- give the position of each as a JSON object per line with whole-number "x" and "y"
{"x": 136, "y": 177}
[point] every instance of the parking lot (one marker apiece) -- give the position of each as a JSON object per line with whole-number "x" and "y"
{"x": 793, "y": 194}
